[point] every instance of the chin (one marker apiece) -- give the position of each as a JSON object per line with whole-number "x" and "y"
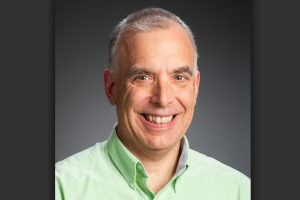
{"x": 158, "y": 143}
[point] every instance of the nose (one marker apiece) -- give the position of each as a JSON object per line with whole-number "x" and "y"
{"x": 162, "y": 94}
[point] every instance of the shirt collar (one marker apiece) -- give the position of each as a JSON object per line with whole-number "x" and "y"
{"x": 122, "y": 158}
{"x": 128, "y": 164}
{"x": 183, "y": 161}
{"x": 184, "y": 156}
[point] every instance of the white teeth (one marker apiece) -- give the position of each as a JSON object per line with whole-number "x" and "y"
{"x": 158, "y": 120}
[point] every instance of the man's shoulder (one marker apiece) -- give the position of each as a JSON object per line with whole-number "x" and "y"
{"x": 216, "y": 178}
{"x": 91, "y": 167}
{"x": 218, "y": 170}
{"x": 83, "y": 160}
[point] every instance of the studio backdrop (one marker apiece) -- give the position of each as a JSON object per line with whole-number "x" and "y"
{"x": 221, "y": 124}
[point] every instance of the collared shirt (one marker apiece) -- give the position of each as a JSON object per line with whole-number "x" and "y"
{"x": 108, "y": 170}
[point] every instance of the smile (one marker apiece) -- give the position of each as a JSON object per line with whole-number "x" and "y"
{"x": 158, "y": 119}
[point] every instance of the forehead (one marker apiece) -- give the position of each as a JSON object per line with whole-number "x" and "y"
{"x": 170, "y": 46}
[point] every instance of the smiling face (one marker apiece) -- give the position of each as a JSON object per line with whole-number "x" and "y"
{"x": 154, "y": 89}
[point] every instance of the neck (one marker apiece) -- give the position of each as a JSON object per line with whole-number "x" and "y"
{"x": 160, "y": 166}
{"x": 160, "y": 171}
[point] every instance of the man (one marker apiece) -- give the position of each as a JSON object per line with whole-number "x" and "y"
{"x": 153, "y": 81}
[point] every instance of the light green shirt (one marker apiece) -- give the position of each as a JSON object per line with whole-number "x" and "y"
{"x": 109, "y": 171}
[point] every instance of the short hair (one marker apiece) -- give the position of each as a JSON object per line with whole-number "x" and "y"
{"x": 143, "y": 21}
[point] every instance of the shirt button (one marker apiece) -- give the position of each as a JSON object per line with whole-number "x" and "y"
{"x": 139, "y": 167}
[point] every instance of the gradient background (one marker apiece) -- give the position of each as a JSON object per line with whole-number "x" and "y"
{"x": 221, "y": 124}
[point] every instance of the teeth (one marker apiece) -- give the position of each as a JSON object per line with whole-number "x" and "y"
{"x": 158, "y": 120}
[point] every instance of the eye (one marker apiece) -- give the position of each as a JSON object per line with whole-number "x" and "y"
{"x": 141, "y": 78}
{"x": 180, "y": 77}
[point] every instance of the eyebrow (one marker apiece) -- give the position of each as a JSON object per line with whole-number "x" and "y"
{"x": 139, "y": 71}
{"x": 183, "y": 69}
{"x": 147, "y": 71}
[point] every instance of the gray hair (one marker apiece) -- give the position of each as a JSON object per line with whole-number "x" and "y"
{"x": 143, "y": 21}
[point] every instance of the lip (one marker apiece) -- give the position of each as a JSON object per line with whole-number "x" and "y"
{"x": 159, "y": 115}
{"x": 158, "y": 127}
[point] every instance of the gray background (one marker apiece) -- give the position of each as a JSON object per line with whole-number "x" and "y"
{"x": 221, "y": 125}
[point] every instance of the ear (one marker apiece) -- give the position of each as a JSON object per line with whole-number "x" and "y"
{"x": 109, "y": 84}
{"x": 197, "y": 84}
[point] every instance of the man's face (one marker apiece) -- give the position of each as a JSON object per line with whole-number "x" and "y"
{"x": 154, "y": 89}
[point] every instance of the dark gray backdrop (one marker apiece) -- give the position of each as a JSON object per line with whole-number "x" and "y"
{"x": 221, "y": 125}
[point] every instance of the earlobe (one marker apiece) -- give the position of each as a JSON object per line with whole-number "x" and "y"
{"x": 109, "y": 85}
{"x": 197, "y": 85}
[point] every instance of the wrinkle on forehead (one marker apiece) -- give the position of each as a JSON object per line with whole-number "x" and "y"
{"x": 157, "y": 48}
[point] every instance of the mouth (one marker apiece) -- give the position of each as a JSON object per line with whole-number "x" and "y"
{"x": 155, "y": 119}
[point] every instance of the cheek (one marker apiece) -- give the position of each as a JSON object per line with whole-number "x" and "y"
{"x": 135, "y": 96}
{"x": 187, "y": 97}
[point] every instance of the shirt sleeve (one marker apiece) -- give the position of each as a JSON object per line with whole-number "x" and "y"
{"x": 59, "y": 195}
{"x": 245, "y": 189}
